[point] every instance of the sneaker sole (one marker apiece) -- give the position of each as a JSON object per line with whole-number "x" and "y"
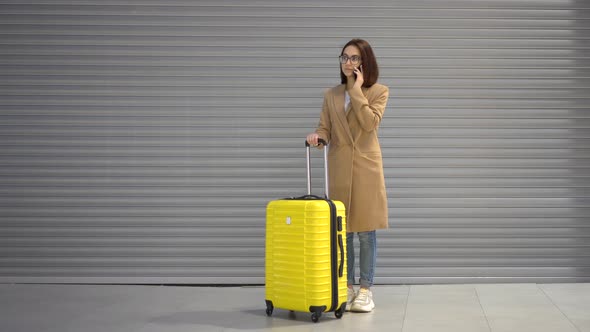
{"x": 367, "y": 308}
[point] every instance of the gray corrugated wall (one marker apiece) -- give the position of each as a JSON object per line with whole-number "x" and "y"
{"x": 141, "y": 140}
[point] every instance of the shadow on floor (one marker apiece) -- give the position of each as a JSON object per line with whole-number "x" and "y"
{"x": 246, "y": 319}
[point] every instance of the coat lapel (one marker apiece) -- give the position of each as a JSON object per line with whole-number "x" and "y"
{"x": 340, "y": 112}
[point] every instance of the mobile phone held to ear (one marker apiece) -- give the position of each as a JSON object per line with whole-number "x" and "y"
{"x": 354, "y": 72}
{"x": 360, "y": 69}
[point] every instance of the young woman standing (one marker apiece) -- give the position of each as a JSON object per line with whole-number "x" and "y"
{"x": 349, "y": 122}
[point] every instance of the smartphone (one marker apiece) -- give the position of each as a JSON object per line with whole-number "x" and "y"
{"x": 359, "y": 68}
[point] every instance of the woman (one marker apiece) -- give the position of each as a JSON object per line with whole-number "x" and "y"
{"x": 349, "y": 122}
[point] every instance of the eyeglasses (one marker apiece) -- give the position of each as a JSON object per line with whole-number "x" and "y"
{"x": 355, "y": 59}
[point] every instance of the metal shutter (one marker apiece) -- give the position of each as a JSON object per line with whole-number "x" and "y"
{"x": 141, "y": 140}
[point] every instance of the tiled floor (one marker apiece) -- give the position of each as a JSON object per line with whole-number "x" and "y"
{"x": 415, "y": 308}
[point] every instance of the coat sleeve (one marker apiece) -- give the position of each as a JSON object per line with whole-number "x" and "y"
{"x": 369, "y": 111}
{"x": 324, "y": 128}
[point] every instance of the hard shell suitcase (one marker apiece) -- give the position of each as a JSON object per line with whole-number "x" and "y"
{"x": 305, "y": 267}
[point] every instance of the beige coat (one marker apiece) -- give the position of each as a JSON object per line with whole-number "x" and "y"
{"x": 354, "y": 156}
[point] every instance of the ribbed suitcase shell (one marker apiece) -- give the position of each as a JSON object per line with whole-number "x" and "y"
{"x": 299, "y": 257}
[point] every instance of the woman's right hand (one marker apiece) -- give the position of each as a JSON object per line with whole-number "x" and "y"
{"x": 312, "y": 139}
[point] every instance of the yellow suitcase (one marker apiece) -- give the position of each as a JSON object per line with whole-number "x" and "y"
{"x": 305, "y": 267}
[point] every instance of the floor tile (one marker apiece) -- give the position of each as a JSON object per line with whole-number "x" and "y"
{"x": 521, "y": 307}
{"x": 573, "y": 300}
{"x": 436, "y": 308}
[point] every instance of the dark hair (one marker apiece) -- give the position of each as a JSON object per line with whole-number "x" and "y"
{"x": 369, "y": 62}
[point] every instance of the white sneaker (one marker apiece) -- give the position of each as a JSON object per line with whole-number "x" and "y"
{"x": 350, "y": 295}
{"x": 363, "y": 301}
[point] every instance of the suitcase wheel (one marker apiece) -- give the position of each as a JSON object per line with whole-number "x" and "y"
{"x": 269, "y": 308}
{"x": 338, "y": 313}
{"x": 315, "y": 316}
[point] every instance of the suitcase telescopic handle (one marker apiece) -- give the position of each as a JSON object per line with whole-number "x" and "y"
{"x": 307, "y": 146}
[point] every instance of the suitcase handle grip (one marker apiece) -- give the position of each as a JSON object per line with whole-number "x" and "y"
{"x": 321, "y": 141}
{"x": 309, "y": 197}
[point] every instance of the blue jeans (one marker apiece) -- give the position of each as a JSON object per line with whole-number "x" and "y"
{"x": 367, "y": 257}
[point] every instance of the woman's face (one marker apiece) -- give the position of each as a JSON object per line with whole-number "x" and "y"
{"x": 353, "y": 52}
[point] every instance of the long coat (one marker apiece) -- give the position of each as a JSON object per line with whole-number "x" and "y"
{"x": 355, "y": 165}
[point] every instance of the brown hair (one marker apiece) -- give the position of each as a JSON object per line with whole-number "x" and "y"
{"x": 369, "y": 62}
